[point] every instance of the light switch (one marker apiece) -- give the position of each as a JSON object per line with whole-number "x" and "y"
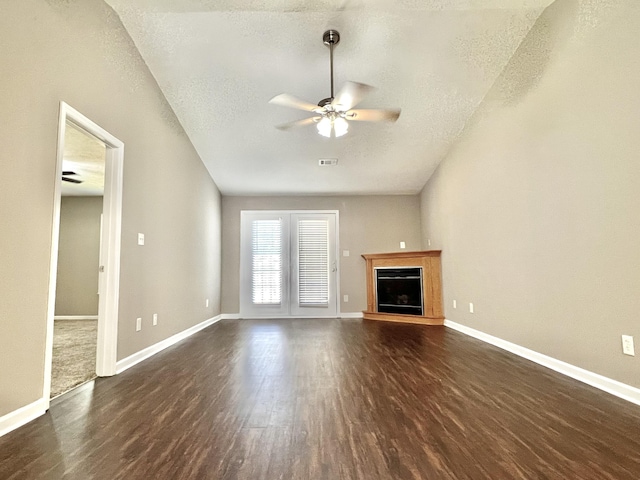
{"x": 345, "y": 253}
{"x": 141, "y": 239}
{"x": 627, "y": 345}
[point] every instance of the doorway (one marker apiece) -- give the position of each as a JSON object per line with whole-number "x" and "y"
{"x": 77, "y": 279}
{"x": 288, "y": 264}
{"x": 103, "y": 179}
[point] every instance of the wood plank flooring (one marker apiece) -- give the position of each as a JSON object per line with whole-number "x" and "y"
{"x": 330, "y": 399}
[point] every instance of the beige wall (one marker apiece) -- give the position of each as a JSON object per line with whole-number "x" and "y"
{"x": 537, "y": 207}
{"x": 78, "y": 256}
{"x": 78, "y": 52}
{"x": 368, "y": 224}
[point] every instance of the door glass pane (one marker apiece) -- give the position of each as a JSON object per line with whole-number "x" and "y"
{"x": 266, "y": 262}
{"x": 313, "y": 262}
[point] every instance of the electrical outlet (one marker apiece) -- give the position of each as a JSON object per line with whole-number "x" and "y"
{"x": 470, "y": 307}
{"x": 138, "y": 324}
{"x": 155, "y": 318}
{"x": 345, "y": 253}
{"x": 403, "y": 245}
{"x": 141, "y": 239}
{"x": 206, "y": 303}
{"x": 455, "y": 304}
{"x": 345, "y": 298}
{"x": 627, "y": 345}
{"x": 429, "y": 242}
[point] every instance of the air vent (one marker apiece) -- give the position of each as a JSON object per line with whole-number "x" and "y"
{"x": 327, "y": 162}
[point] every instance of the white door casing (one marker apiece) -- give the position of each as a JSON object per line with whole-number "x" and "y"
{"x": 109, "y": 277}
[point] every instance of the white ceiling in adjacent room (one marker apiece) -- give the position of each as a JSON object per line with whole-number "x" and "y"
{"x": 219, "y": 62}
{"x": 83, "y": 160}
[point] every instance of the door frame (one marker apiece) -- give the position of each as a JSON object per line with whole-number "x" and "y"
{"x": 106, "y": 355}
{"x": 243, "y": 259}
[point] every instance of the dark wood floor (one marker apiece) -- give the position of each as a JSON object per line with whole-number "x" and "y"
{"x": 330, "y": 399}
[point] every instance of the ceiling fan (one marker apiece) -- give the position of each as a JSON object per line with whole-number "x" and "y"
{"x": 335, "y": 112}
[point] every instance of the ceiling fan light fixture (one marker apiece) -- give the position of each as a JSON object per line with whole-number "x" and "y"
{"x": 324, "y": 127}
{"x": 340, "y": 126}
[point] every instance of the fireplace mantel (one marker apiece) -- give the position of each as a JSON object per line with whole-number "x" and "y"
{"x": 429, "y": 261}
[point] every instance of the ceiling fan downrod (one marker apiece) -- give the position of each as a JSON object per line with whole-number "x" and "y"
{"x": 330, "y": 38}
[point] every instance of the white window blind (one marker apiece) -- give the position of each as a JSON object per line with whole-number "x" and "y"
{"x": 266, "y": 262}
{"x": 313, "y": 262}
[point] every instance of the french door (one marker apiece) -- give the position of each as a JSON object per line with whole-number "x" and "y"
{"x": 288, "y": 264}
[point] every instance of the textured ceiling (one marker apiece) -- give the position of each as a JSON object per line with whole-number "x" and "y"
{"x": 84, "y": 155}
{"x": 219, "y": 62}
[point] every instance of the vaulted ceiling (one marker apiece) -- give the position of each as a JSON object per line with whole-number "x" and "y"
{"x": 218, "y": 62}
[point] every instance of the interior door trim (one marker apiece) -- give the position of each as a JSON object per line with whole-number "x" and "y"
{"x": 111, "y": 235}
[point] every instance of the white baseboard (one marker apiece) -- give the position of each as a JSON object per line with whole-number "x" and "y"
{"x": 22, "y": 416}
{"x": 76, "y": 317}
{"x": 351, "y": 315}
{"x": 619, "y": 389}
{"x": 138, "y": 357}
{"x": 230, "y": 316}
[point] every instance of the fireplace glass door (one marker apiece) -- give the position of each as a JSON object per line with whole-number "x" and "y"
{"x": 399, "y": 290}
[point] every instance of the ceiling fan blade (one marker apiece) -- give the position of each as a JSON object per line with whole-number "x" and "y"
{"x": 365, "y": 115}
{"x": 298, "y": 123}
{"x": 351, "y": 94}
{"x": 287, "y": 100}
{"x": 71, "y": 180}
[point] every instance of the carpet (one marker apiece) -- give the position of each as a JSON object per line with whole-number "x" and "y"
{"x": 74, "y": 354}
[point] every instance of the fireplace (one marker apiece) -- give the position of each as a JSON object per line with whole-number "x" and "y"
{"x": 399, "y": 290}
{"x": 404, "y": 287}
